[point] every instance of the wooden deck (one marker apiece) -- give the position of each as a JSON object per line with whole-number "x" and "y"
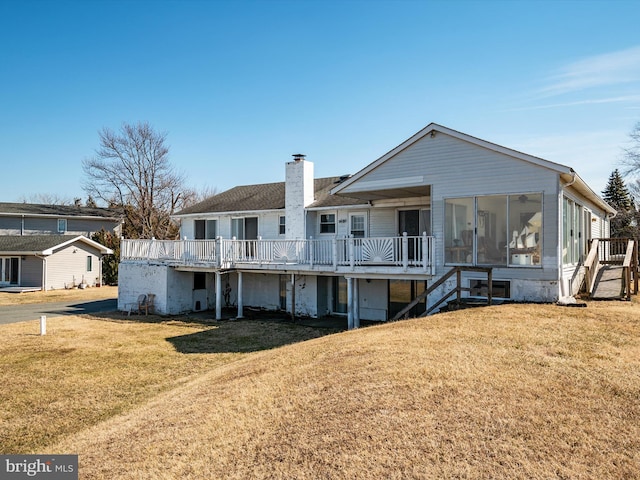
{"x": 608, "y": 285}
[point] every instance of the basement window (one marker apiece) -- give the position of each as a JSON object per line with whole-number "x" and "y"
{"x": 480, "y": 288}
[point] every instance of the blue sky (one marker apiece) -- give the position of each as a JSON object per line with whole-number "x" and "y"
{"x": 240, "y": 86}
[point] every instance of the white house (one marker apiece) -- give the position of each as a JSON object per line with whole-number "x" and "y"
{"x": 366, "y": 245}
{"x": 49, "y": 247}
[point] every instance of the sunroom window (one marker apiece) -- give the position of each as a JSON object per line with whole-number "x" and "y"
{"x": 495, "y": 230}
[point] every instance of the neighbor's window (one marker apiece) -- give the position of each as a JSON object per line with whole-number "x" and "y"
{"x": 328, "y": 223}
{"x": 89, "y": 263}
{"x": 62, "y": 225}
{"x": 282, "y": 225}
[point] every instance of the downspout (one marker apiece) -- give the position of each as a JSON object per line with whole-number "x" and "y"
{"x": 44, "y": 272}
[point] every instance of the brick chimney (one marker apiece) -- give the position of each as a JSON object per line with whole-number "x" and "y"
{"x": 299, "y": 193}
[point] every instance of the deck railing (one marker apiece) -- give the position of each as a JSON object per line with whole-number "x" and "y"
{"x": 415, "y": 252}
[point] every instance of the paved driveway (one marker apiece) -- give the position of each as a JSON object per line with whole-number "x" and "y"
{"x": 21, "y": 313}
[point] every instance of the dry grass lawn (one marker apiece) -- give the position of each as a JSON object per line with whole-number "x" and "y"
{"x": 87, "y": 294}
{"x": 512, "y": 391}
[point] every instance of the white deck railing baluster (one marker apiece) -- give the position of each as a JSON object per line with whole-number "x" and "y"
{"x": 332, "y": 253}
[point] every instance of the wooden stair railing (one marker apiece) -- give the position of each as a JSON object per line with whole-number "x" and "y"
{"x": 458, "y": 289}
{"x": 607, "y": 251}
{"x": 630, "y": 269}
{"x": 591, "y": 266}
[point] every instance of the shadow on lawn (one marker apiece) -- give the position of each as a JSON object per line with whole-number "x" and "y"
{"x": 244, "y": 336}
{"x": 234, "y": 336}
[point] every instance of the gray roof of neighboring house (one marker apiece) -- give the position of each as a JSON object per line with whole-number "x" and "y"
{"x": 36, "y": 243}
{"x": 267, "y": 196}
{"x": 34, "y": 209}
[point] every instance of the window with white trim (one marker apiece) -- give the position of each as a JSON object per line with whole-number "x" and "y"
{"x": 358, "y": 225}
{"x": 62, "y": 225}
{"x": 328, "y": 223}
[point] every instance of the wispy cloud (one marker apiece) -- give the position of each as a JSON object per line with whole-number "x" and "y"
{"x": 607, "y": 69}
{"x": 591, "y": 101}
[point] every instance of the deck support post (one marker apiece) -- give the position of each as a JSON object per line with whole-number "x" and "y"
{"x": 218, "y": 296}
{"x": 356, "y": 303}
{"x": 293, "y": 297}
{"x": 240, "y": 302}
{"x": 350, "y": 324}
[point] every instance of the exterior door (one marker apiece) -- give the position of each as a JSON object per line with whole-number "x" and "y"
{"x": 9, "y": 271}
{"x": 414, "y": 223}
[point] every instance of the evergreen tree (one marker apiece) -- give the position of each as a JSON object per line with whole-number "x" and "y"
{"x": 109, "y": 262}
{"x": 616, "y": 194}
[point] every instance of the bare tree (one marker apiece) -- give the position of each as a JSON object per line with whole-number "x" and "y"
{"x": 192, "y": 196}
{"x": 631, "y": 164}
{"x": 131, "y": 169}
{"x": 631, "y": 156}
{"x": 47, "y": 199}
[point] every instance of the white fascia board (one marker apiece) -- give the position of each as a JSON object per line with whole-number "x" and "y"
{"x": 339, "y": 207}
{"x": 581, "y": 186}
{"x": 215, "y": 214}
{"x": 413, "y": 181}
{"x": 60, "y": 215}
{"x": 98, "y": 246}
{"x": 18, "y": 253}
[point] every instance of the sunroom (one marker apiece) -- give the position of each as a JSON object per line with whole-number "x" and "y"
{"x": 494, "y": 230}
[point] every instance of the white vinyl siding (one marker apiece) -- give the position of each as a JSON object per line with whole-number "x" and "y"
{"x": 68, "y": 266}
{"x": 50, "y": 225}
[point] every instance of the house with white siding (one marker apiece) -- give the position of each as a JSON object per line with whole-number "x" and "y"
{"x": 509, "y": 225}
{"x": 49, "y": 247}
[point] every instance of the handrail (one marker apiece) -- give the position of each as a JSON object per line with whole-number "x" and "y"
{"x": 628, "y": 262}
{"x": 404, "y": 252}
{"x": 592, "y": 265}
{"x": 457, "y": 289}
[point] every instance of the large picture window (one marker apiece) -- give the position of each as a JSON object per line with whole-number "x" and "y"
{"x": 497, "y": 230}
{"x": 525, "y": 225}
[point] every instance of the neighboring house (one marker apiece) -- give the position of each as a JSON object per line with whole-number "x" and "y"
{"x": 49, "y": 246}
{"x": 366, "y": 245}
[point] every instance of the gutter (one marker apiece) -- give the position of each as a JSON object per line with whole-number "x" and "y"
{"x": 573, "y": 179}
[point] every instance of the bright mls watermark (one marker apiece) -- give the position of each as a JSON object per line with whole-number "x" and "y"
{"x": 49, "y": 467}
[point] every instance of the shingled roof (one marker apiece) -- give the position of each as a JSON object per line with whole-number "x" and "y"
{"x": 267, "y": 196}
{"x": 35, "y": 209}
{"x": 37, "y": 244}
